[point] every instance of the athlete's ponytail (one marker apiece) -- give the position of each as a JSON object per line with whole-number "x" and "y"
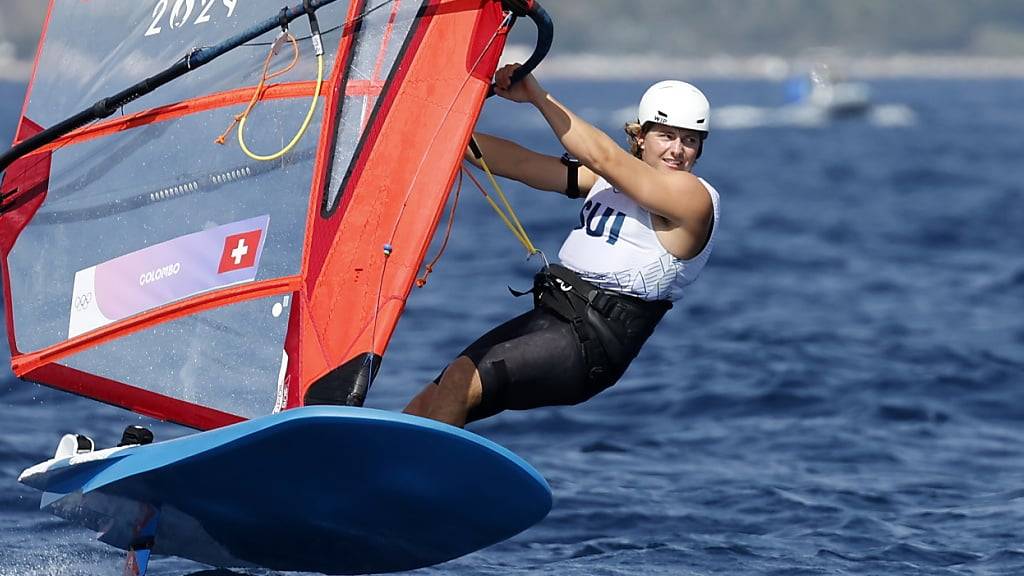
{"x": 634, "y": 131}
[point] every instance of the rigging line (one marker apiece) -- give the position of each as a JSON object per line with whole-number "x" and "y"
{"x": 515, "y": 225}
{"x": 518, "y": 234}
{"x": 302, "y": 129}
{"x": 423, "y": 160}
{"x": 429, "y": 268}
{"x": 318, "y": 50}
{"x": 258, "y": 92}
{"x": 506, "y": 21}
{"x": 387, "y": 249}
{"x": 264, "y": 77}
{"x": 241, "y": 119}
{"x": 335, "y": 28}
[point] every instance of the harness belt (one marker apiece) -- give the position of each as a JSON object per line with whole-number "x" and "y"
{"x": 609, "y": 326}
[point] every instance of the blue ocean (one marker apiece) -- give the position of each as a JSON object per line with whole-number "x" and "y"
{"x": 841, "y": 393}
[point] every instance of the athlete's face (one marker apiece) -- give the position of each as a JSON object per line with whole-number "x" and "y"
{"x": 669, "y": 148}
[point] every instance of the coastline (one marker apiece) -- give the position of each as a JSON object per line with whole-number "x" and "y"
{"x": 769, "y": 67}
{"x": 722, "y": 66}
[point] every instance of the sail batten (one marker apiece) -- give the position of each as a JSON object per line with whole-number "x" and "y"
{"x": 232, "y": 98}
{"x": 23, "y": 363}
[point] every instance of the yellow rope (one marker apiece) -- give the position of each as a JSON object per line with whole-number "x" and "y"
{"x": 519, "y": 236}
{"x": 265, "y": 77}
{"x": 302, "y": 129}
{"x": 510, "y": 220}
{"x": 258, "y": 94}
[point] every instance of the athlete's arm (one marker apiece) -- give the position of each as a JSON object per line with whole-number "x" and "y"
{"x": 540, "y": 171}
{"x": 676, "y": 195}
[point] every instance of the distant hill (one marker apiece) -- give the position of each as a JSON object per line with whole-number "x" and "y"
{"x": 690, "y": 28}
{"x": 697, "y": 28}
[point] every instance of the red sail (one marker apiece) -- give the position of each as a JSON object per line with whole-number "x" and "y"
{"x": 181, "y": 279}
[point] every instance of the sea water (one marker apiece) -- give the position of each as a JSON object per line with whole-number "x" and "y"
{"x": 842, "y": 392}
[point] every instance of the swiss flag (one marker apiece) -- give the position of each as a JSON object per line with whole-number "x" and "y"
{"x": 239, "y": 251}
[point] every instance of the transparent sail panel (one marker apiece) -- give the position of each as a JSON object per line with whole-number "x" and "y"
{"x": 383, "y": 33}
{"x": 229, "y": 359}
{"x": 158, "y": 213}
{"x": 97, "y": 48}
{"x": 350, "y": 129}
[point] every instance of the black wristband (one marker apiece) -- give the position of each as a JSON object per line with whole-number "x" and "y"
{"x": 572, "y": 182}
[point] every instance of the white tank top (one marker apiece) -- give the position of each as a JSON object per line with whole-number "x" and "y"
{"x": 615, "y": 247}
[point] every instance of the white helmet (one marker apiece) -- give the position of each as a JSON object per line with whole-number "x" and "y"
{"x": 675, "y": 103}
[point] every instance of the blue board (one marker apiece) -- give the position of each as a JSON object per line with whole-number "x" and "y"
{"x": 327, "y": 489}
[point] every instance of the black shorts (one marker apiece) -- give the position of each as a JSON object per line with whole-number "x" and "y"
{"x": 536, "y": 359}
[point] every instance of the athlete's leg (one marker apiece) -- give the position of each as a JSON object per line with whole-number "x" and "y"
{"x": 459, "y": 391}
{"x": 420, "y": 404}
{"x": 450, "y": 399}
{"x": 462, "y": 377}
{"x": 536, "y": 346}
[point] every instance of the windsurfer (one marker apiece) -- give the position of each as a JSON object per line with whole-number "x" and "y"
{"x": 645, "y": 232}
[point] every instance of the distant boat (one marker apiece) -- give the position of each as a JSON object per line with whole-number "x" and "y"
{"x": 828, "y": 93}
{"x": 815, "y": 99}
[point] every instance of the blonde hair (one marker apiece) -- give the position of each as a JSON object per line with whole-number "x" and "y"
{"x": 633, "y": 131}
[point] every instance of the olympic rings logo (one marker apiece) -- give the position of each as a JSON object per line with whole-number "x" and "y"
{"x": 82, "y": 301}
